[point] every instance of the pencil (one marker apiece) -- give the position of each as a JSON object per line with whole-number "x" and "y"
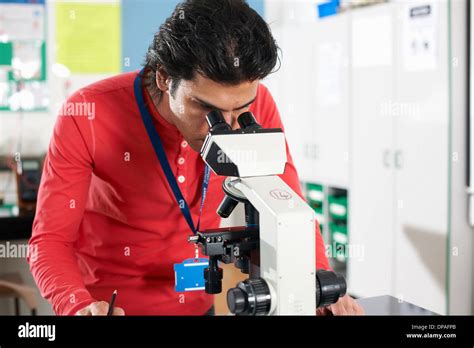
{"x": 111, "y": 304}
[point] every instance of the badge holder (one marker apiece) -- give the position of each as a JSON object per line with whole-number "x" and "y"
{"x": 189, "y": 275}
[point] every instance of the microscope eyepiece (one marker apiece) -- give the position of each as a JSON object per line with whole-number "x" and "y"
{"x": 247, "y": 121}
{"x": 216, "y": 121}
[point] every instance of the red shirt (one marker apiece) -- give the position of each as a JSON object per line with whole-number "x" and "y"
{"x": 106, "y": 217}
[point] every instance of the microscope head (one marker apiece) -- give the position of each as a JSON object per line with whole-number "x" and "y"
{"x": 245, "y": 152}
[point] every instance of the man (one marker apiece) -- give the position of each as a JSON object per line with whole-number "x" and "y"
{"x": 106, "y": 216}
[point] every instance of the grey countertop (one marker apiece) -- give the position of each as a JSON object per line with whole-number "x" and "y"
{"x": 389, "y": 305}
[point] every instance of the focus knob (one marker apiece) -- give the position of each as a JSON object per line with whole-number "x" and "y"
{"x": 236, "y": 300}
{"x": 250, "y": 297}
{"x": 329, "y": 287}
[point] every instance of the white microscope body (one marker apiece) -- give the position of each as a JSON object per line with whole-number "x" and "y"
{"x": 283, "y": 273}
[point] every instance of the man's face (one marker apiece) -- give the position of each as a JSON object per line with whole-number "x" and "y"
{"x": 194, "y": 99}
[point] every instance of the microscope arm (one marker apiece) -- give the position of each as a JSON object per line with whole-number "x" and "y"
{"x": 287, "y": 240}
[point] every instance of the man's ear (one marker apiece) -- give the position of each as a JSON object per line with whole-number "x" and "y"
{"x": 163, "y": 80}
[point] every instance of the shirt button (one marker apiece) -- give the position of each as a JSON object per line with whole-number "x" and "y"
{"x": 184, "y": 143}
{"x": 181, "y": 160}
{"x": 181, "y": 179}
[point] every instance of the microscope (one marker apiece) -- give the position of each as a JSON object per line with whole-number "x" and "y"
{"x": 276, "y": 247}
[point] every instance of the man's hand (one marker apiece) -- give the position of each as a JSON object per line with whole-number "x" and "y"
{"x": 345, "y": 306}
{"x": 99, "y": 308}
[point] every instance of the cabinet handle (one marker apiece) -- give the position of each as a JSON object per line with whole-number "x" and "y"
{"x": 311, "y": 151}
{"x": 398, "y": 159}
{"x": 386, "y": 158}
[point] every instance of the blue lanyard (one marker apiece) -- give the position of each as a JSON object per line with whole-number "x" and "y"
{"x": 160, "y": 153}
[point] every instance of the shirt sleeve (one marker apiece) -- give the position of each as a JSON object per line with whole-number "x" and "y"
{"x": 60, "y": 206}
{"x": 269, "y": 117}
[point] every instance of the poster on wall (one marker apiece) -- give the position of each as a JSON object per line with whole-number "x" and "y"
{"x": 23, "y": 56}
{"x": 88, "y": 37}
{"x": 420, "y": 36}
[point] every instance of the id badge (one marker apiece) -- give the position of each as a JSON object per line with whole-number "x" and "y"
{"x": 189, "y": 275}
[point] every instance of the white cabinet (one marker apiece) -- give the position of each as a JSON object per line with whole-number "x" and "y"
{"x": 421, "y": 136}
{"x": 311, "y": 89}
{"x": 374, "y": 83}
{"x": 327, "y": 148}
{"x": 296, "y": 102}
{"x": 371, "y": 192}
{"x": 292, "y": 100}
{"x": 399, "y": 178}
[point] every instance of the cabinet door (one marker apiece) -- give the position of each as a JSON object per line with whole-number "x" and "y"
{"x": 327, "y": 147}
{"x": 372, "y": 176}
{"x": 421, "y": 111}
{"x": 295, "y": 95}
{"x": 313, "y": 102}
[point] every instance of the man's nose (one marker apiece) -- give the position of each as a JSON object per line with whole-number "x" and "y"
{"x": 231, "y": 119}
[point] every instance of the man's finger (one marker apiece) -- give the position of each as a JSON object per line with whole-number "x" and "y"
{"x": 99, "y": 308}
{"x": 118, "y": 311}
{"x": 352, "y": 307}
{"x": 84, "y": 311}
{"x": 358, "y": 310}
{"x": 338, "y": 308}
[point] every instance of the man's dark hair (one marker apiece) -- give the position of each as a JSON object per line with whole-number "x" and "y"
{"x": 224, "y": 40}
